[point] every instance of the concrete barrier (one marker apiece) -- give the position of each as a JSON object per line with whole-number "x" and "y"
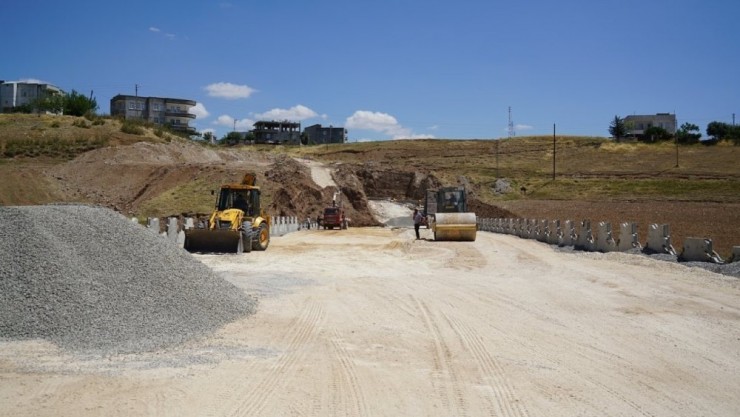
{"x": 565, "y": 234}
{"x": 628, "y": 237}
{"x": 659, "y": 239}
{"x": 172, "y": 229}
{"x": 604, "y": 241}
{"x": 153, "y": 225}
{"x": 555, "y": 232}
{"x": 735, "y": 257}
{"x": 568, "y": 236}
{"x": 585, "y": 239}
{"x": 696, "y": 249}
{"x": 542, "y": 230}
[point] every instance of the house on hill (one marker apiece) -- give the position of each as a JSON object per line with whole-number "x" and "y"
{"x": 15, "y": 94}
{"x": 638, "y": 124}
{"x": 173, "y": 112}
{"x": 277, "y": 132}
{"x": 316, "y": 134}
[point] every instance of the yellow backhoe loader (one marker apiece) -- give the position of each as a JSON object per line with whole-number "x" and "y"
{"x": 238, "y": 224}
{"x": 446, "y": 213}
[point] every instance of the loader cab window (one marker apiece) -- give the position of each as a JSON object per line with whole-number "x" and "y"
{"x": 238, "y": 199}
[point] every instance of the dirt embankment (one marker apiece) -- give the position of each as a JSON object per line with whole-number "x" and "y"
{"x": 165, "y": 179}
{"x": 126, "y": 178}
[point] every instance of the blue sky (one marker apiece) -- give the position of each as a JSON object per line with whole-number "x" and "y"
{"x": 391, "y": 69}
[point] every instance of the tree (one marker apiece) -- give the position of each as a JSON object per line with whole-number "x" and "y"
{"x": 209, "y": 137}
{"x": 724, "y": 131}
{"x": 231, "y": 139}
{"x": 655, "y": 134}
{"x": 688, "y": 133}
{"x": 76, "y": 104}
{"x": 53, "y": 103}
{"x": 617, "y": 128}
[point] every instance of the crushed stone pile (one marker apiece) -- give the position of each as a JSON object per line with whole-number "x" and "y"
{"x": 89, "y": 280}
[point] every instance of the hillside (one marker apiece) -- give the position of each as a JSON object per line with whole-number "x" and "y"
{"x": 54, "y": 159}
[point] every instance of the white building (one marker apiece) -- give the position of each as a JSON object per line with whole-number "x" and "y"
{"x": 20, "y": 93}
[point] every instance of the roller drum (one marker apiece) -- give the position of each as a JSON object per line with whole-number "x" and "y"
{"x": 455, "y": 226}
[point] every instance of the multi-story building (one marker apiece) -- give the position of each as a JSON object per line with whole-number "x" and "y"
{"x": 21, "y": 93}
{"x": 637, "y": 124}
{"x": 277, "y": 132}
{"x": 314, "y": 135}
{"x": 173, "y": 112}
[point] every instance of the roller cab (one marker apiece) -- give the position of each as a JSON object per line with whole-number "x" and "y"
{"x": 446, "y": 213}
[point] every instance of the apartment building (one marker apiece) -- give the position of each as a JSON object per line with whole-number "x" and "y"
{"x": 173, "y": 112}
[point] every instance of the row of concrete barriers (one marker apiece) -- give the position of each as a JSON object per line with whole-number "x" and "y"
{"x": 602, "y": 239}
{"x": 175, "y": 227}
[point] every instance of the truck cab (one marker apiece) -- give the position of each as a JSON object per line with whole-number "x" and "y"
{"x": 334, "y": 217}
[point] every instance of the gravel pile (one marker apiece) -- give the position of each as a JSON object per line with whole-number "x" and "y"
{"x": 90, "y": 280}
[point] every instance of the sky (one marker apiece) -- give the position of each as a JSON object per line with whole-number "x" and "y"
{"x": 391, "y": 69}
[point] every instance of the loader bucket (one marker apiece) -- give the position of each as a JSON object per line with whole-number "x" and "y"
{"x": 455, "y": 226}
{"x": 218, "y": 241}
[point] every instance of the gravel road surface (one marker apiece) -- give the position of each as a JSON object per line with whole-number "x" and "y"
{"x": 369, "y": 322}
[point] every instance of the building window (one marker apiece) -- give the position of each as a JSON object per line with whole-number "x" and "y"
{"x": 131, "y": 105}
{"x": 156, "y": 106}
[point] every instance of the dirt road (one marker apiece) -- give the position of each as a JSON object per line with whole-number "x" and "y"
{"x": 369, "y": 322}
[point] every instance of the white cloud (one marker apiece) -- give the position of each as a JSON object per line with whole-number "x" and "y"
{"x": 229, "y": 91}
{"x": 199, "y": 110}
{"x": 228, "y": 121}
{"x": 379, "y": 122}
{"x": 416, "y": 136}
{"x": 382, "y": 122}
{"x": 523, "y": 127}
{"x": 295, "y": 113}
{"x": 153, "y": 29}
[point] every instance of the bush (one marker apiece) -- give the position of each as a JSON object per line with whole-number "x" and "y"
{"x": 132, "y": 128}
{"x": 80, "y": 123}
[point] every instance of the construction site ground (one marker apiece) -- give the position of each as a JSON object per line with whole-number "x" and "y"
{"x": 371, "y": 322}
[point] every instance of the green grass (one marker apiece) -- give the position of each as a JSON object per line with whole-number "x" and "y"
{"x": 193, "y": 196}
{"x": 632, "y": 189}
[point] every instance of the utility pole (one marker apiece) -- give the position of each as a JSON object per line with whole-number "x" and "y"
{"x": 136, "y": 89}
{"x": 511, "y": 125}
{"x": 553, "y": 151}
{"x": 497, "y": 174}
{"x": 733, "y": 119}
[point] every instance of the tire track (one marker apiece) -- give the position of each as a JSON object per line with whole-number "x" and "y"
{"x": 251, "y": 403}
{"x": 444, "y": 370}
{"x": 506, "y": 402}
{"x": 353, "y": 399}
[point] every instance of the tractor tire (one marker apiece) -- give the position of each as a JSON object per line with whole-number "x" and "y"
{"x": 261, "y": 237}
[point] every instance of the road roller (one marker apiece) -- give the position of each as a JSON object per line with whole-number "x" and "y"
{"x": 446, "y": 213}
